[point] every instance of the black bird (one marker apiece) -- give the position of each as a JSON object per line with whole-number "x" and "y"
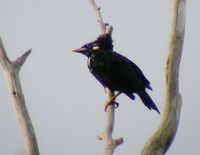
{"x": 115, "y": 71}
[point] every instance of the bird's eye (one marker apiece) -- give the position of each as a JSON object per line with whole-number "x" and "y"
{"x": 95, "y": 47}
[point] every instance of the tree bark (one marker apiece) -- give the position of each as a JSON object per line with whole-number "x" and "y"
{"x": 161, "y": 140}
{"x": 11, "y": 71}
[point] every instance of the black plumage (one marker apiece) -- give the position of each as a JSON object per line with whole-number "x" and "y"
{"x": 115, "y": 71}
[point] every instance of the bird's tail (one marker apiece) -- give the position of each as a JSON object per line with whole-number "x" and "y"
{"x": 148, "y": 102}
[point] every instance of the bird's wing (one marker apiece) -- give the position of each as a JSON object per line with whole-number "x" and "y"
{"x": 122, "y": 67}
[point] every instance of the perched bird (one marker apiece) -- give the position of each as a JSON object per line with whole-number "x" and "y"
{"x": 115, "y": 71}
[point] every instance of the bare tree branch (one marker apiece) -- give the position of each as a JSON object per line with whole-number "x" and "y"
{"x": 11, "y": 72}
{"x": 160, "y": 142}
{"x": 109, "y": 143}
{"x": 106, "y": 135}
{"x": 3, "y": 56}
{"x": 20, "y": 61}
{"x": 99, "y": 17}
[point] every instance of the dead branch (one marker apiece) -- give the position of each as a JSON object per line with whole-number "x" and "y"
{"x": 99, "y": 17}
{"x": 161, "y": 140}
{"x": 11, "y": 72}
{"x": 109, "y": 143}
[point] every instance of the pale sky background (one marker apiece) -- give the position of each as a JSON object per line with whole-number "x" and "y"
{"x": 64, "y": 100}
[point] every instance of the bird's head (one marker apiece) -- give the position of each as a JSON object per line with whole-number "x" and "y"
{"x": 103, "y": 42}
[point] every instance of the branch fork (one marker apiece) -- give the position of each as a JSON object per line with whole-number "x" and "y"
{"x": 11, "y": 71}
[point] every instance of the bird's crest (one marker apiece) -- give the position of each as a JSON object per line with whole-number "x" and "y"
{"x": 104, "y": 41}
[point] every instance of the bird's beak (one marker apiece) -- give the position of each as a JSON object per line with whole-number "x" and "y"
{"x": 79, "y": 50}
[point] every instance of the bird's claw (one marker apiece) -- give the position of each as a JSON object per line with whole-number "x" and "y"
{"x": 116, "y": 104}
{"x": 112, "y": 102}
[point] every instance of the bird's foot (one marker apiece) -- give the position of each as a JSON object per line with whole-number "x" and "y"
{"x": 116, "y": 104}
{"x": 112, "y": 102}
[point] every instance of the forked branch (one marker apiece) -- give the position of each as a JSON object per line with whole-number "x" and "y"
{"x": 11, "y": 72}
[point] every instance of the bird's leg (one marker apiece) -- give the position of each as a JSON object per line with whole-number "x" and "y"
{"x": 112, "y": 101}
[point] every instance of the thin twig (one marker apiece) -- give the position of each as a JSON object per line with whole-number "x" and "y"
{"x": 3, "y": 56}
{"x": 99, "y": 17}
{"x": 109, "y": 143}
{"x": 20, "y": 61}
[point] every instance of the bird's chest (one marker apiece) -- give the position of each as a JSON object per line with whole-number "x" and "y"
{"x": 97, "y": 65}
{"x": 99, "y": 68}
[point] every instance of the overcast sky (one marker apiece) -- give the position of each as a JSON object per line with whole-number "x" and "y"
{"x": 65, "y": 102}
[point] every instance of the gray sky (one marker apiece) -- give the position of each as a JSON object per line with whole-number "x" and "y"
{"x": 65, "y": 102}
